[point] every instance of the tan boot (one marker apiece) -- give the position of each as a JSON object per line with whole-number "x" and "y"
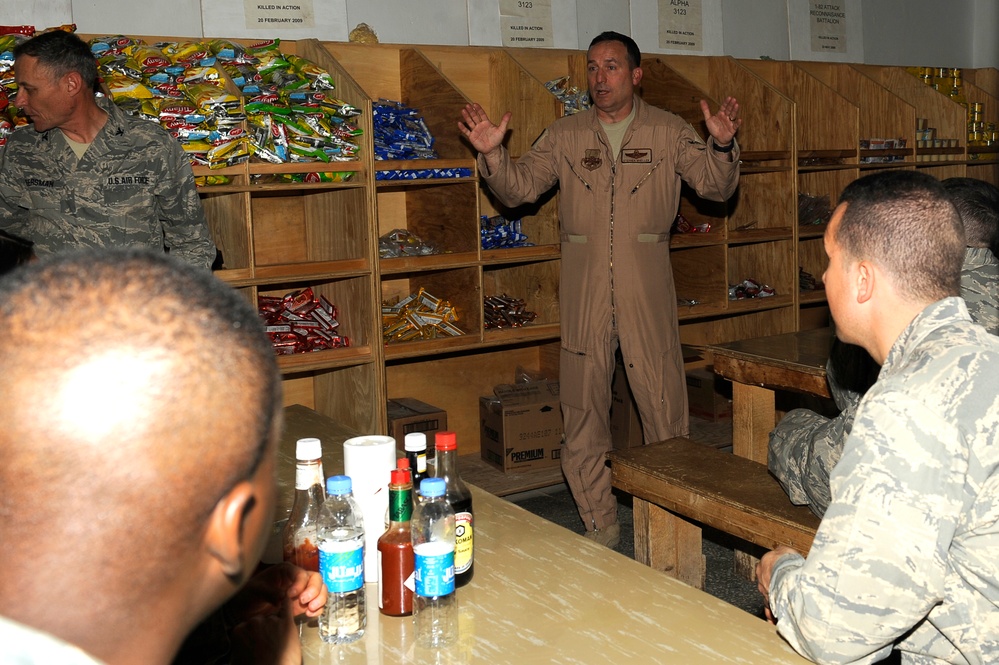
{"x": 609, "y": 536}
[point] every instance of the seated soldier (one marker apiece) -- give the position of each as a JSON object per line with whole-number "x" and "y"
{"x": 906, "y": 554}
{"x": 141, "y": 405}
{"x": 805, "y": 446}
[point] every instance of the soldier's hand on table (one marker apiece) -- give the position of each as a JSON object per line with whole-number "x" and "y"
{"x": 764, "y": 571}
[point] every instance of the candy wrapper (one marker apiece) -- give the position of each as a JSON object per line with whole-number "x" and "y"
{"x": 300, "y": 322}
{"x": 573, "y": 99}
{"x": 497, "y": 232}
{"x": 750, "y": 289}
{"x": 681, "y": 225}
{"x": 419, "y": 316}
{"x": 400, "y": 132}
{"x": 807, "y": 281}
{"x": 506, "y": 312}
{"x": 400, "y": 242}
{"x": 423, "y": 174}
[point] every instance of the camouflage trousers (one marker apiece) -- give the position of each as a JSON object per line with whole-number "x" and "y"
{"x": 805, "y": 446}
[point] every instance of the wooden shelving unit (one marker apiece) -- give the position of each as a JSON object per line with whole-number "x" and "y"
{"x": 752, "y": 235}
{"x": 439, "y": 81}
{"x": 827, "y": 142}
{"x": 801, "y": 132}
{"x": 946, "y": 116}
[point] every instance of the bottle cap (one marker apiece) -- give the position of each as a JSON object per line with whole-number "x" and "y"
{"x": 446, "y": 441}
{"x": 308, "y": 449}
{"x": 432, "y": 487}
{"x": 402, "y": 463}
{"x": 401, "y": 477}
{"x": 415, "y": 442}
{"x": 338, "y": 485}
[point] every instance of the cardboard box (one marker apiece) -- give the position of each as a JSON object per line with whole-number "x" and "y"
{"x": 705, "y": 399}
{"x": 521, "y": 427}
{"x": 625, "y": 424}
{"x": 406, "y": 415}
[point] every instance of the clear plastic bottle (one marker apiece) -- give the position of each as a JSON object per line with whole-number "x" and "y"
{"x": 461, "y": 501}
{"x": 395, "y": 547}
{"x": 341, "y": 563}
{"x": 416, "y": 450}
{"x": 435, "y": 605}
{"x": 299, "y": 539}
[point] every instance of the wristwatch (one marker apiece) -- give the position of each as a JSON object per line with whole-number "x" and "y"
{"x": 723, "y": 148}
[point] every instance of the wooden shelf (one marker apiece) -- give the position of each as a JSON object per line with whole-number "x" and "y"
{"x": 277, "y": 237}
{"x": 811, "y": 231}
{"x": 748, "y": 236}
{"x": 520, "y": 254}
{"x": 409, "y": 264}
{"x": 810, "y": 297}
{"x": 329, "y": 359}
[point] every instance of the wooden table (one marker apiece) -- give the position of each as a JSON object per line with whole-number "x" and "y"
{"x": 544, "y": 594}
{"x": 757, "y": 367}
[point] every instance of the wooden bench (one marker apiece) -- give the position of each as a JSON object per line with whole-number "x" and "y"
{"x": 679, "y": 485}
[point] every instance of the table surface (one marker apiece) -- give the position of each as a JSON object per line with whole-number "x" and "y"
{"x": 543, "y": 594}
{"x": 805, "y": 351}
{"x": 792, "y": 361}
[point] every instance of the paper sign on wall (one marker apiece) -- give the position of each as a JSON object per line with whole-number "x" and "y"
{"x": 526, "y": 23}
{"x": 279, "y": 14}
{"x": 827, "y": 23}
{"x": 681, "y": 25}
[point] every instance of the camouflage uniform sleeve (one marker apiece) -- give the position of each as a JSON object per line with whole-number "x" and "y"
{"x": 980, "y": 288}
{"x": 10, "y": 193}
{"x": 878, "y": 563}
{"x": 185, "y": 228}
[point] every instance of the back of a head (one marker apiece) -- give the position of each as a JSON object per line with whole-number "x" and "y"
{"x": 634, "y": 53}
{"x": 977, "y": 202}
{"x": 136, "y": 391}
{"x": 62, "y": 52}
{"x": 905, "y": 222}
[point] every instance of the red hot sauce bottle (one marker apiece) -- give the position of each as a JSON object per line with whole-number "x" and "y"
{"x": 395, "y": 548}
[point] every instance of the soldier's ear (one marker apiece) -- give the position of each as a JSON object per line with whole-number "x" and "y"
{"x": 72, "y": 83}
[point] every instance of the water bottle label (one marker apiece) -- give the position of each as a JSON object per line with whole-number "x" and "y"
{"x": 341, "y": 565}
{"x": 434, "y": 569}
{"x": 463, "y": 550}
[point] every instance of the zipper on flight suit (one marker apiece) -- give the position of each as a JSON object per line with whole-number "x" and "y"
{"x": 646, "y": 176}
{"x": 611, "y": 250}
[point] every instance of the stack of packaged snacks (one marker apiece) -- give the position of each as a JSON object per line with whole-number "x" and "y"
{"x": 227, "y": 103}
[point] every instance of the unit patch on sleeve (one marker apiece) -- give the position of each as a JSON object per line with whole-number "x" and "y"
{"x": 636, "y": 156}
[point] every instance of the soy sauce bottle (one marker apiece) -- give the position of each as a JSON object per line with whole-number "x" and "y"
{"x": 461, "y": 500}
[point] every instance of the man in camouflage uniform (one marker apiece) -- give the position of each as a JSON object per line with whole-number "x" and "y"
{"x": 906, "y": 555}
{"x": 87, "y": 174}
{"x": 805, "y": 446}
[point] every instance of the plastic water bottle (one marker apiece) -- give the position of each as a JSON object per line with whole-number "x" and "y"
{"x": 341, "y": 563}
{"x": 435, "y": 606}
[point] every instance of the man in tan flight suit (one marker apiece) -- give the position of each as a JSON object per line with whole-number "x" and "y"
{"x": 619, "y": 167}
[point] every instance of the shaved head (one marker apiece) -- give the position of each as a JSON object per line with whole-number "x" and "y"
{"x": 136, "y": 392}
